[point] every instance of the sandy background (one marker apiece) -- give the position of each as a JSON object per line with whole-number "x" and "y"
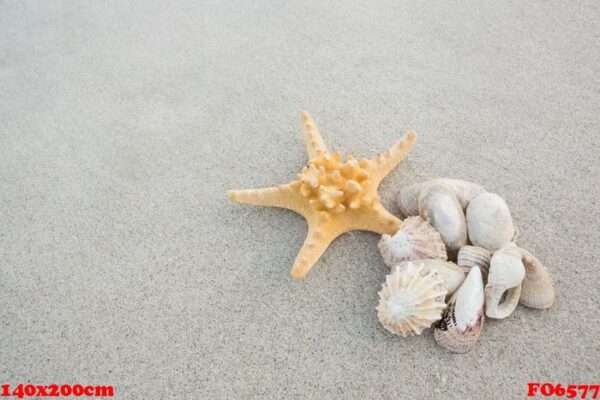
{"x": 123, "y": 124}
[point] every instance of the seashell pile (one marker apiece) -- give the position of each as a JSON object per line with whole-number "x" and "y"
{"x": 448, "y": 221}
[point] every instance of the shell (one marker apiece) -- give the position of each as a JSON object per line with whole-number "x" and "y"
{"x": 408, "y": 198}
{"x": 489, "y": 222}
{"x": 461, "y": 322}
{"x": 537, "y": 290}
{"x": 452, "y": 276}
{"x": 410, "y": 300}
{"x": 506, "y": 274}
{"x": 474, "y": 256}
{"x": 416, "y": 239}
{"x": 438, "y": 205}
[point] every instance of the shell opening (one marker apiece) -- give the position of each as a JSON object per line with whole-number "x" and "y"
{"x": 501, "y": 304}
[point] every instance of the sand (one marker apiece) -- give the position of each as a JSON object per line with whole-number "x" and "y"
{"x": 123, "y": 125}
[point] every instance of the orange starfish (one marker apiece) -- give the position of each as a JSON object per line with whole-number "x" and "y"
{"x": 332, "y": 196}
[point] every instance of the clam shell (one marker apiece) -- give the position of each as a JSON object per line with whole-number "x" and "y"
{"x": 411, "y": 300}
{"x": 489, "y": 222}
{"x": 416, "y": 239}
{"x": 506, "y": 274}
{"x": 474, "y": 256}
{"x": 449, "y": 272}
{"x": 537, "y": 290}
{"x": 438, "y": 205}
{"x": 461, "y": 322}
{"x": 408, "y": 198}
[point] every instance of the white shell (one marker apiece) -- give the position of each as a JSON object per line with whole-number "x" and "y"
{"x": 408, "y": 198}
{"x": 449, "y": 272}
{"x": 474, "y": 256}
{"x": 506, "y": 274}
{"x": 461, "y": 322}
{"x": 489, "y": 222}
{"x": 438, "y": 205}
{"x": 415, "y": 239}
{"x": 410, "y": 300}
{"x": 537, "y": 290}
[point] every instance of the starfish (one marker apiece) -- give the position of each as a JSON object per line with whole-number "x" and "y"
{"x": 334, "y": 197}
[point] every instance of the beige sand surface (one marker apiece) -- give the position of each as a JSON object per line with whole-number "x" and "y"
{"x": 123, "y": 124}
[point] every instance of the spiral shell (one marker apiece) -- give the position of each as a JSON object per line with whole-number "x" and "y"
{"x": 536, "y": 290}
{"x": 416, "y": 239}
{"x": 506, "y": 274}
{"x": 474, "y": 256}
{"x": 410, "y": 300}
{"x": 461, "y": 322}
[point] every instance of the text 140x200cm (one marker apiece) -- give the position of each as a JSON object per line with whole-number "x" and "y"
{"x": 66, "y": 390}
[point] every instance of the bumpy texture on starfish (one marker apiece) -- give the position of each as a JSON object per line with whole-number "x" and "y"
{"x": 334, "y": 197}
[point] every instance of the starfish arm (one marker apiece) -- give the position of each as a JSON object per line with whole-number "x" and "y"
{"x": 315, "y": 146}
{"x": 384, "y": 163}
{"x": 317, "y": 241}
{"x": 283, "y": 196}
{"x": 378, "y": 220}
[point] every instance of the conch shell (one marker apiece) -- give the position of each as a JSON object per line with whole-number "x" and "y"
{"x": 449, "y": 272}
{"x": 461, "y": 322}
{"x": 438, "y": 205}
{"x": 489, "y": 222}
{"x": 537, "y": 290}
{"x": 416, "y": 239}
{"x": 506, "y": 274}
{"x": 474, "y": 256}
{"x": 410, "y": 300}
{"x": 408, "y": 198}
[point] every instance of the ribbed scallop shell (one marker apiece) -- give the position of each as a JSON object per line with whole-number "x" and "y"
{"x": 461, "y": 322}
{"x": 474, "y": 256}
{"x": 449, "y": 272}
{"x": 411, "y": 300}
{"x": 536, "y": 290}
{"x": 416, "y": 239}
